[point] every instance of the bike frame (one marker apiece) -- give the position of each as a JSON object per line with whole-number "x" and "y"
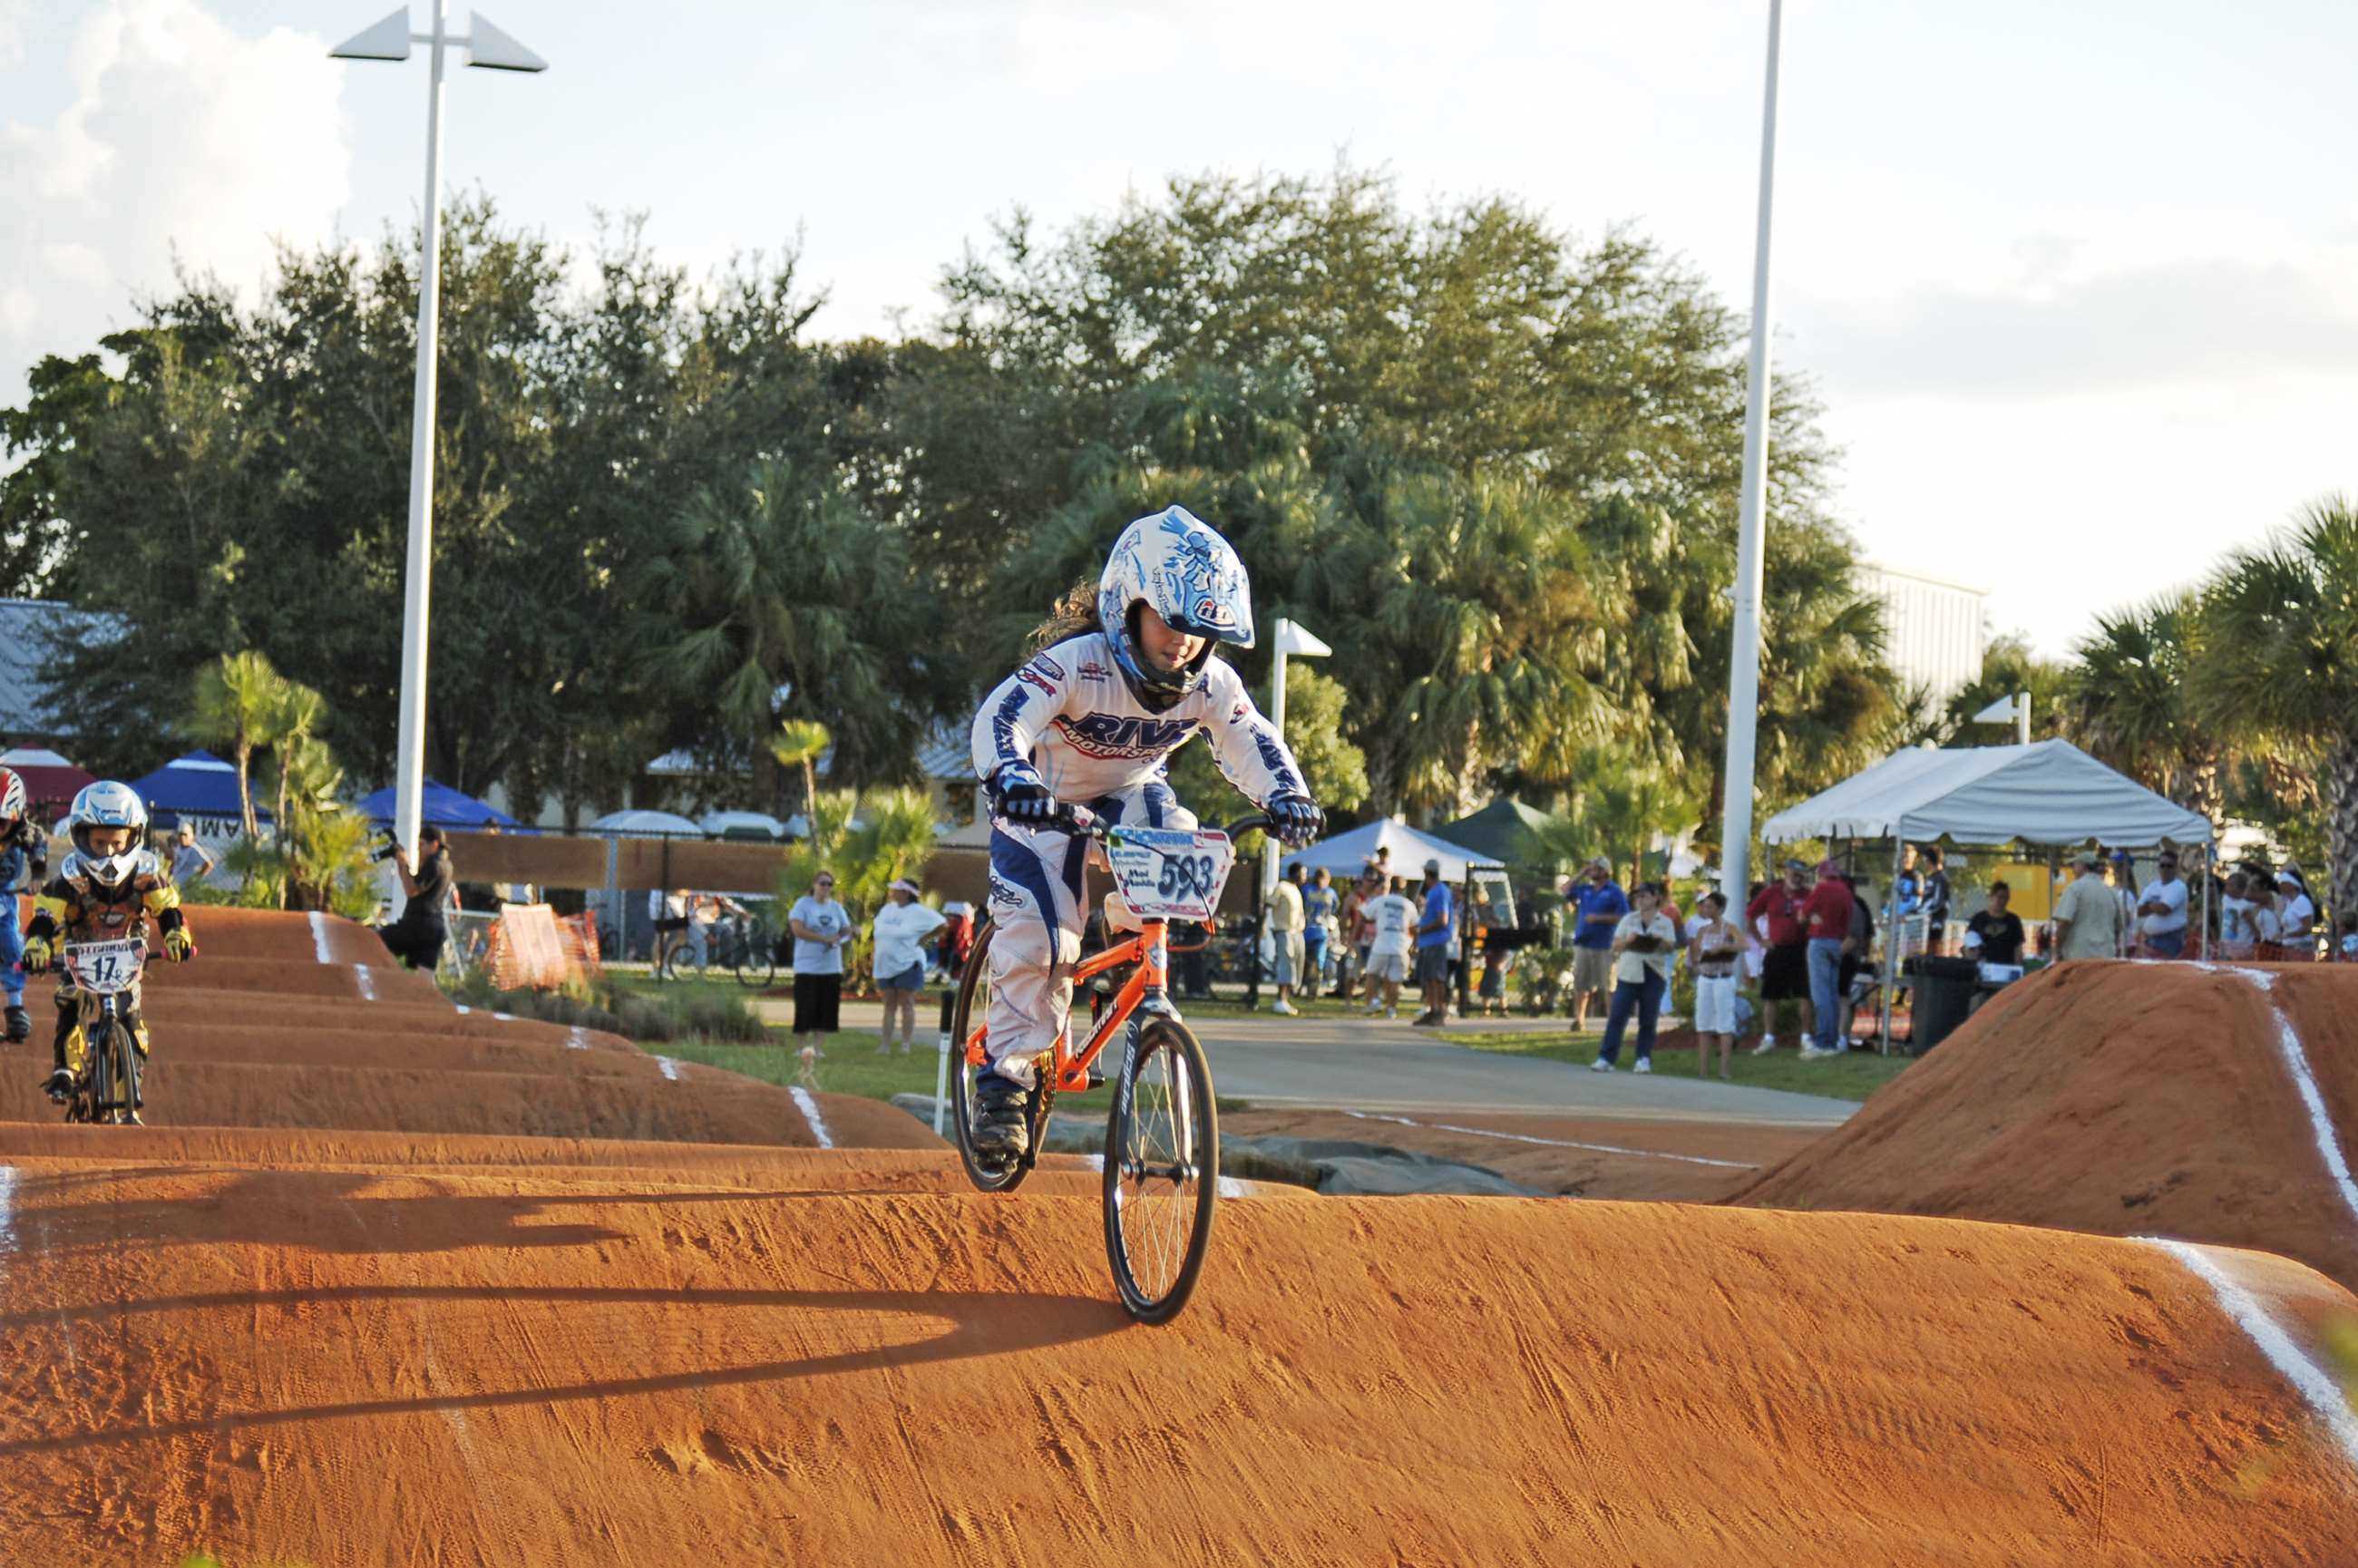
{"x": 1145, "y": 991}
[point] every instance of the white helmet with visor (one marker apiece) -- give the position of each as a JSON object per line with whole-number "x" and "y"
{"x": 107, "y": 804}
{"x": 1175, "y": 562}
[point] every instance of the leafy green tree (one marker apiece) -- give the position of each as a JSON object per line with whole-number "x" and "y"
{"x": 799, "y": 743}
{"x": 1334, "y": 769}
{"x": 2278, "y": 663}
{"x": 2009, "y": 667}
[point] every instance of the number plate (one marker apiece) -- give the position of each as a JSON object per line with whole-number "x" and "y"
{"x": 105, "y": 967}
{"x": 1170, "y": 873}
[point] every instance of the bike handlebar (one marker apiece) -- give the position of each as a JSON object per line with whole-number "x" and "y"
{"x": 1080, "y": 819}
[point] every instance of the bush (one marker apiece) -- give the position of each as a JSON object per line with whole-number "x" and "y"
{"x": 677, "y": 1014}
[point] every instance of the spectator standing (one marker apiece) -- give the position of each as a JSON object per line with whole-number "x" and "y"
{"x": 2298, "y": 914}
{"x": 2122, "y": 867}
{"x": 1432, "y": 935}
{"x": 955, "y": 944}
{"x": 668, "y": 912}
{"x": 1859, "y": 943}
{"x": 2268, "y": 923}
{"x": 821, "y": 927}
{"x": 1935, "y": 899}
{"x": 417, "y": 936}
{"x": 1284, "y": 913}
{"x": 1392, "y": 916}
{"x": 191, "y": 861}
{"x": 1317, "y": 927}
{"x": 2087, "y": 917}
{"x": 1715, "y": 946}
{"x": 2236, "y": 916}
{"x": 1785, "y": 968}
{"x": 1597, "y": 906}
{"x": 899, "y": 931}
{"x": 2161, "y": 910}
{"x": 1995, "y": 931}
{"x": 2345, "y": 949}
{"x": 1351, "y": 941}
{"x": 1826, "y": 917}
{"x": 1642, "y": 944}
{"x": 1907, "y": 892}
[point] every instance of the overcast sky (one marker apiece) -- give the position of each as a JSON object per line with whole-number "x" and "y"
{"x": 2075, "y": 281}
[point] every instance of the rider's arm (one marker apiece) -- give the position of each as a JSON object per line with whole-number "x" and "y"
{"x": 1247, "y": 746}
{"x": 48, "y": 911}
{"x": 1017, "y": 711}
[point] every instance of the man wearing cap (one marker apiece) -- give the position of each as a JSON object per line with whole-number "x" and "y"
{"x": 1775, "y": 914}
{"x": 2297, "y": 913}
{"x": 2087, "y": 917}
{"x": 1825, "y": 917}
{"x": 900, "y": 930}
{"x": 1433, "y": 948}
{"x": 1596, "y": 904}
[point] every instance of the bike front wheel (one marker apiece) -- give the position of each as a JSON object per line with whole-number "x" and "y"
{"x": 1161, "y": 1170}
{"x": 992, "y": 1175}
{"x": 757, "y": 964}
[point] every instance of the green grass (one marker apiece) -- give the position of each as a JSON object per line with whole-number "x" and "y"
{"x": 1853, "y": 1077}
{"x": 849, "y": 1065}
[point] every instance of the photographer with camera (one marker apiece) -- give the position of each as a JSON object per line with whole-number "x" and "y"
{"x": 417, "y": 936}
{"x": 1642, "y": 945}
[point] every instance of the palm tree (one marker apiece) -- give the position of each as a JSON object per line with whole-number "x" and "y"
{"x": 800, "y": 742}
{"x": 299, "y": 712}
{"x": 2127, "y": 701}
{"x": 2278, "y": 667}
{"x": 239, "y": 701}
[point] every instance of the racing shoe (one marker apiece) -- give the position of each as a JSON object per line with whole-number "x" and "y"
{"x": 1002, "y": 1119}
{"x": 20, "y": 1023}
{"x": 60, "y": 1087}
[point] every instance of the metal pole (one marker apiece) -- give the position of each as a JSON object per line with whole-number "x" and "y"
{"x": 2022, "y": 717}
{"x": 409, "y": 768}
{"x": 1744, "y": 675}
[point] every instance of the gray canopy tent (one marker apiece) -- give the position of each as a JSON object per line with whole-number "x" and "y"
{"x": 2049, "y": 794}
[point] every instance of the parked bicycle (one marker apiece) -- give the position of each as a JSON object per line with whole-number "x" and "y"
{"x": 1162, "y": 1137}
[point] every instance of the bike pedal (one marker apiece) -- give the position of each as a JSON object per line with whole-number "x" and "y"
{"x": 1097, "y": 1076}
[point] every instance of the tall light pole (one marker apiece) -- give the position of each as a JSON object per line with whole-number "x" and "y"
{"x": 1744, "y": 674}
{"x": 1289, "y": 639}
{"x": 491, "y": 50}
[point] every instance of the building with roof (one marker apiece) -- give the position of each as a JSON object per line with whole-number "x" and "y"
{"x": 1937, "y": 630}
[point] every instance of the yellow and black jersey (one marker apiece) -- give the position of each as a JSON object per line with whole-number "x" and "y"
{"x": 87, "y": 910}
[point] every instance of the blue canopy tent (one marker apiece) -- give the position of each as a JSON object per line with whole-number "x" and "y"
{"x": 199, "y": 787}
{"x": 439, "y": 804}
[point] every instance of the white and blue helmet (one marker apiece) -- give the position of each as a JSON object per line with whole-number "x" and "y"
{"x": 1175, "y": 562}
{"x": 107, "y": 804}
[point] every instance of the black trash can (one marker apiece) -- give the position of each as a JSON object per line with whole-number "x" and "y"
{"x": 1944, "y": 994}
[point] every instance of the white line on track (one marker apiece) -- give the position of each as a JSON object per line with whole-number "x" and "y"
{"x": 1553, "y": 1143}
{"x": 464, "y": 1010}
{"x": 319, "y": 936}
{"x": 670, "y": 1067}
{"x": 577, "y": 1038}
{"x": 2304, "y": 1083}
{"x": 368, "y": 986}
{"x": 2313, "y": 1383}
{"x": 7, "y": 1209}
{"x": 809, "y": 1107}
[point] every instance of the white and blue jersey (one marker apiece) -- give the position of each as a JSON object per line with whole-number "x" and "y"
{"x": 1069, "y": 715}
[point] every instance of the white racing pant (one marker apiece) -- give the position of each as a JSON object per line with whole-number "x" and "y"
{"x": 1039, "y": 903}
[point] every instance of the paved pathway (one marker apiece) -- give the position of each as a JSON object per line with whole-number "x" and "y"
{"x": 1367, "y": 1065}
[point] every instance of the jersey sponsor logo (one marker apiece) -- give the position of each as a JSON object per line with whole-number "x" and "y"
{"x": 1123, "y": 736}
{"x": 1089, "y": 669}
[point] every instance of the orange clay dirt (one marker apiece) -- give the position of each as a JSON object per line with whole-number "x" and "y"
{"x": 2123, "y": 1098}
{"x": 333, "y": 1344}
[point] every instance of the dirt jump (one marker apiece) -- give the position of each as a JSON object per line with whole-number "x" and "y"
{"x": 384, "y": 1333}
{"x": 2130, "y": 1099}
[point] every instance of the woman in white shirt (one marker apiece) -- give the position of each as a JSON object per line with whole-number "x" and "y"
{"x": 900, "y": 929}
{"x": 1643, "y": 946}
{"x": 1717, "y": 945}
{"x": 821, "y": 928}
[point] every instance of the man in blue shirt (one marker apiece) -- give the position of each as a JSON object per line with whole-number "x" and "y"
{"x": 1433, "y": 948}
{"x": 1596, "y": 905}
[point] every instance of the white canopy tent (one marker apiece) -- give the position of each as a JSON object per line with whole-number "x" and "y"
{"x": 2049, "y": 794}
{"x": 1344, "y": 853}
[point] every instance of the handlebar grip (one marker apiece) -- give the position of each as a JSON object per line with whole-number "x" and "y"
{"x": 1244, "y": 824}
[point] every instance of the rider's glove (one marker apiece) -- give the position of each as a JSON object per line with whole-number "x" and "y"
{"x": 1295, "y": 819}
{"x": 178, "y": 947}
{"x": 37, "y": 955}
{"x": 1017, "y": 793}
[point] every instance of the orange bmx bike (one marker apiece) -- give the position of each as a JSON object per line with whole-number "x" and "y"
{"x": 1163, "y": 1135}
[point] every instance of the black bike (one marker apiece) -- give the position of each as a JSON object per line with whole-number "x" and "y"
{"x": 104, "y": 973}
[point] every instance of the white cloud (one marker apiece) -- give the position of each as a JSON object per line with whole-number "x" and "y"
{"x": 180, "y": 135}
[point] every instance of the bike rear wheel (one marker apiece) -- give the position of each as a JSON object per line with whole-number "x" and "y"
{"x": 757, "y": 961}
{"x": 973, "y": 1005}
{"x": 1161, "y": 1170}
